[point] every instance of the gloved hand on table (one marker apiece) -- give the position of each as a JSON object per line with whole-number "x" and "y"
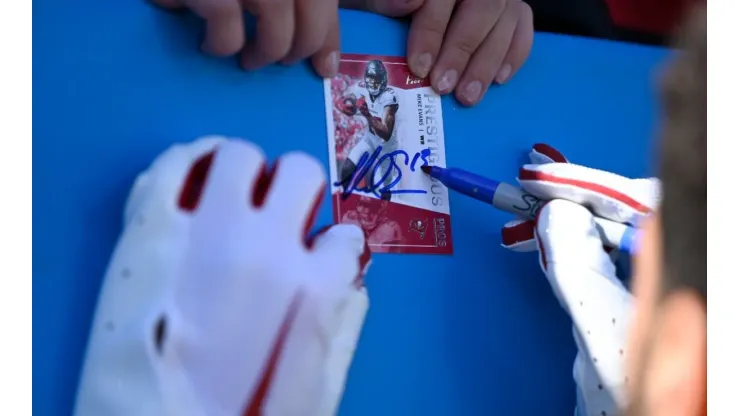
{"x": 215, "y": 302}
{"x": 579, "y": 268}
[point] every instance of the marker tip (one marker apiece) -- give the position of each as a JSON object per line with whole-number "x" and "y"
{"x": 426, "y": 169}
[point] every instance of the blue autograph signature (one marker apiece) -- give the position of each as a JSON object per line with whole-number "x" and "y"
{"x": 371, "y": 164}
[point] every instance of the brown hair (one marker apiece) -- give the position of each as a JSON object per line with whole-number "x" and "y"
{"x": 683, "y": 165}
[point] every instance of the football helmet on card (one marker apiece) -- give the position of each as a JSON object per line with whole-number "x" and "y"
{"x": 376, "y": 77}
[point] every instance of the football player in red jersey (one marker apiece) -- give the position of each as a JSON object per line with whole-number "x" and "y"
{"x": 378, "y": 104}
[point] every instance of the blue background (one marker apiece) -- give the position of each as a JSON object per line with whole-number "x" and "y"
{"x": 476, "y": 333}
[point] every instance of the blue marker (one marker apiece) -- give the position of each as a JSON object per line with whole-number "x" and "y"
{"x": 514, "y": 200}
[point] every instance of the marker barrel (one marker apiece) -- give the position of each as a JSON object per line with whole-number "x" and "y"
{"x": 516, "y": 201}
{"x": 466, "y": 183}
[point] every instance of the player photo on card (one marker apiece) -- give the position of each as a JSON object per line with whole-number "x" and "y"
{"x": 383, "y": 125}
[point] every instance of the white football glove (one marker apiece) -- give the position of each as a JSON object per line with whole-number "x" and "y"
{"x": 579, "y": 268}
{"x": 215, "y": 302}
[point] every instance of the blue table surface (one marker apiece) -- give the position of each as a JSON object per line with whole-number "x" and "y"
{"x": 476, "y": 333}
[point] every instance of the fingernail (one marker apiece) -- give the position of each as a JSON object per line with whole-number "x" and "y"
{"x": 332, "y": 63}
{"x": 422, "y": 65}
{"x": 503, "y": 74}
{"x": 447, "y": 81}
{"x": 472, "y": 91}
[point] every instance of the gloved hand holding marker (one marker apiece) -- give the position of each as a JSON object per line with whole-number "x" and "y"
{"x": 617, "y": 213}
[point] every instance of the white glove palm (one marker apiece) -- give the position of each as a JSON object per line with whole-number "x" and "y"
{"x": 578, "y": 267}
{"x": 214, "y": 302}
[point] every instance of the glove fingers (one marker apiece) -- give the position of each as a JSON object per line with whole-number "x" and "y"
{"x": 608, "y": 195}
{"x": 542, "y": 153}
{"x": 518, "y": 235}
{"x": 162, "y": 182}
{"x": 241, "y": 308}
{"x": 566, "y": 234}
{"x": 583, "y": 279}
{"x": 297, "y": 189}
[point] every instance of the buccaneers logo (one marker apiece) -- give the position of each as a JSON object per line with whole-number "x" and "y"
{"x": 418, "y": 226}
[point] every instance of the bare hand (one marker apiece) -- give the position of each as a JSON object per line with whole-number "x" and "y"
{"x": 287, "y": 30}
{"x": 463, "y": 45}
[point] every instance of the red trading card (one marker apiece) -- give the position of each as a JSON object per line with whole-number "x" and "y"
{"x": 383, "y": 124}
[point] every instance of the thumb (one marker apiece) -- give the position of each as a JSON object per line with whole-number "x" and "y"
{"x": 390, "y": 8}
{"x": 345, "y": 248}
{"x": 342, "y": 317}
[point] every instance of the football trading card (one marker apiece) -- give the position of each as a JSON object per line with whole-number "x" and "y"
{"x": 384, "y": 124}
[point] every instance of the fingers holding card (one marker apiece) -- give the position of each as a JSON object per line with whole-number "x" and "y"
{"x": 383, "y": 124}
